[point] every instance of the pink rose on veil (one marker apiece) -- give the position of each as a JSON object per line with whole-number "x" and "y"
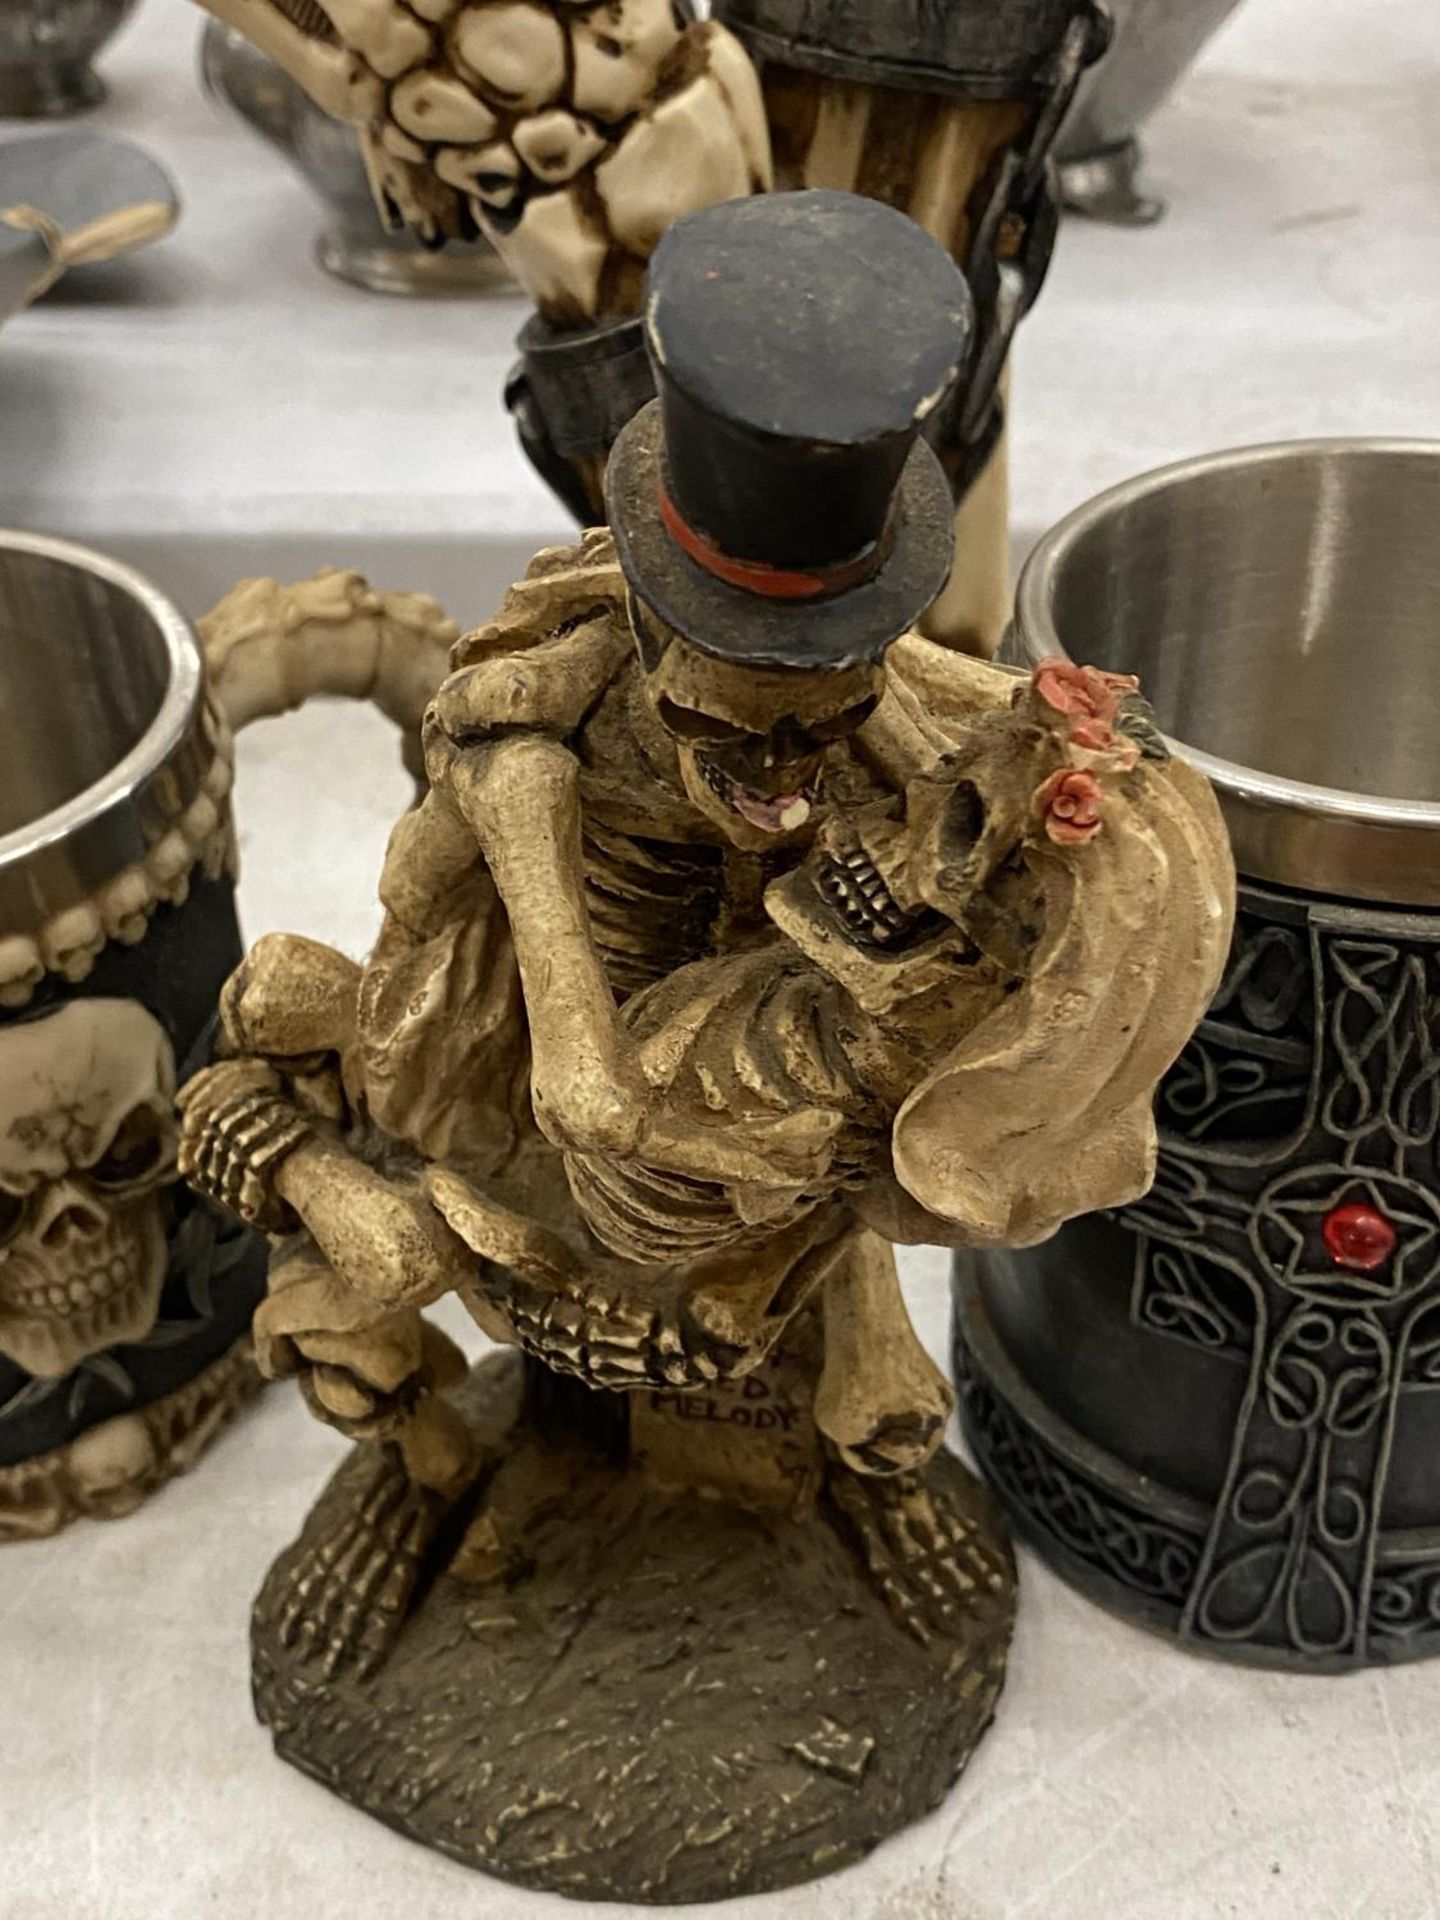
{"x": 1070, "y": 804}
{"x": 1088, "y": 698}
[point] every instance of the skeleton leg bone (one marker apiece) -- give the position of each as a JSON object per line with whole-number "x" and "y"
{"x": 380, "y": 1234}
{"x": 379, "y": 1376}
{"x": 881, "y": 1401}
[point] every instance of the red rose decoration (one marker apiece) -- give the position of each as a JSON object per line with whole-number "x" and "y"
{"x": 1087, "y": 697}
{"x": 1069, "y": 803}
{"x": 1082, "y": 693}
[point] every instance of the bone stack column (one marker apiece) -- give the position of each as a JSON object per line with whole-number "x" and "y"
{"x": 919, "y": 106}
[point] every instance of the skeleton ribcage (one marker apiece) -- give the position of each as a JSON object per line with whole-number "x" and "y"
{"x": 653, "y": 904}
{"x": 772, "y": 1058}
{"x": 656, "y": 1218}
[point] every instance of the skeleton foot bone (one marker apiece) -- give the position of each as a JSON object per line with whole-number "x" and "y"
{"x": 932, "y": 1561}
{"x": 345, "y": 1599}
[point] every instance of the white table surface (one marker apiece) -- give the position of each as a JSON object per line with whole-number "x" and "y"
{"x": 223, "y": 408}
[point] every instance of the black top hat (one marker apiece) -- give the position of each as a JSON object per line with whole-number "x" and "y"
{"x": 777, "y": 504}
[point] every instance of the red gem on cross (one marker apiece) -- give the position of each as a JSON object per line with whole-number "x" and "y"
{"x": 1358, "y": 1236}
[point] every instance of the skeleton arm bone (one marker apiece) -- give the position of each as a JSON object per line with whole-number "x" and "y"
{"x": 520, "y": 795}
{"x": 258, "y": 1153}
{"x": 497, "y": 761}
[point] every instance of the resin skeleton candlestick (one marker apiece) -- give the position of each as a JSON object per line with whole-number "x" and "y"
{"x": 740, "y": 933}
{"x": 948, "y": 112}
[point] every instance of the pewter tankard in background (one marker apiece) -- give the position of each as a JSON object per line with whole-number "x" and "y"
{"x": 354, "y": 245}
{"x": 1219, "y": 1412}
{"x": 46, "y": 47}
{"x": 1154, "y": 43}
{"x": 125, "y": 1303}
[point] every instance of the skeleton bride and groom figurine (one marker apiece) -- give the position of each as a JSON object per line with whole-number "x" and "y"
{"x": 739, "y": 934}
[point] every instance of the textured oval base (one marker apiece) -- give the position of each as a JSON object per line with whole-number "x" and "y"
{"x": 644, "y": 1698}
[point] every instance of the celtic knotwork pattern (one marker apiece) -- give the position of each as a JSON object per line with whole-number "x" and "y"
{"x": 1404, "y": 1618}
{"x": 1086, "y": 1519}
{"x": 1382, "y": 1100}
{"x": 1313, "y": 1086}
{"x": 1247, "y": 1073}
{"x": 1179, "y": 1293}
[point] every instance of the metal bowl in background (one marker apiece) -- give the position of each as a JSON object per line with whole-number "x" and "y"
{"x": 70, "y": 200}
{"x": 1219, "y": 1411}
{"x": 355, "y": 245}
{"x": 46, "y": 50}
{"x": 1154, "y": 43}
{"x": 1282, "y": 607}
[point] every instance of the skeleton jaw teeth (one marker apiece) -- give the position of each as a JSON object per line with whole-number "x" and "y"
{"x": 772, "y": 813}
{"x": 53, "y": 1312}
{"x": 851, "y": 884}
{"x": 35, "y": 1292}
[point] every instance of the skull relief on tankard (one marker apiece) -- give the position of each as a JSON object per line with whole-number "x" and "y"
{"x": 87, "y": 1144}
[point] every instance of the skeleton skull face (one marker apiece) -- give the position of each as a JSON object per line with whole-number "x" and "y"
{"x": 87, "y": 1140}
{"x": 894, "y": 893}
{"x": 751, "y": 740}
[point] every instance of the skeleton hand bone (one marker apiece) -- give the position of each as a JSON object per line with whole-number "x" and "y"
{"x": 371, "y": 1374}
{"x": 237, "y": 1125}
{"x": 250, "y": 1147}
{"x": 572, "y": 136}
{"x": 713, "y": 1320}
